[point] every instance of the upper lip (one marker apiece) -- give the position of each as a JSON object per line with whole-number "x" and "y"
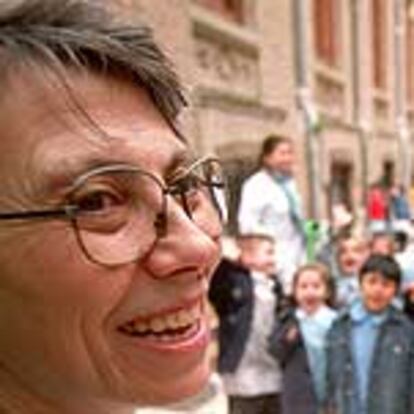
{"x": 186, "y": 303}
{"x": 183, "y": 301}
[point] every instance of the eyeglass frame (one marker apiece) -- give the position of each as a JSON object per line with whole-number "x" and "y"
{"x": 71, "y": 211}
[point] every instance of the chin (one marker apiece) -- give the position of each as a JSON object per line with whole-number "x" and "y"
{"x": 377, "y": 308}
{"x": 177, "y": 389}
{"x": 190, "y": 384}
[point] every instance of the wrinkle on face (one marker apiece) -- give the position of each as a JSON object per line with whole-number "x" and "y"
{"x": 42, "y": 262}
{"x": 88, "y": 140}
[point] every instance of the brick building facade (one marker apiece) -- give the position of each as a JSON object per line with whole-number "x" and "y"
{"x": 244, "y": 65}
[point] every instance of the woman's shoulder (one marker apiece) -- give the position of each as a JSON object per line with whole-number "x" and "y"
{"x": 258, "y": 178}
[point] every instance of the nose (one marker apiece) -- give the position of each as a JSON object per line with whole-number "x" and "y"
{"x": 186, "y": 249}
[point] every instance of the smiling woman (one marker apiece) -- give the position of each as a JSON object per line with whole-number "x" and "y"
{"x": 109, "y": 230}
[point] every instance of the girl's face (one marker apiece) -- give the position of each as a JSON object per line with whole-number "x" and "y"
{"x": 310, "y": 290}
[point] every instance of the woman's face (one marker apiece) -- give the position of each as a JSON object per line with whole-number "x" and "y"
{"x": 281, "y": 159}
{"x": 73, "y": 330}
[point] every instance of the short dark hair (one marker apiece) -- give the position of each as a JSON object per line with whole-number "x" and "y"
{"x": 386, "y": 265}
{"x": 84, "y": 35}
{"x": 270, "y": 143}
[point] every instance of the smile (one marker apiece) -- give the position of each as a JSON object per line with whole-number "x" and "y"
{"x": 168, "y": 326}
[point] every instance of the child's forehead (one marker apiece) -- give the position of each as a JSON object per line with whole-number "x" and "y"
{"x": 253, "y": 243}
{"x": 377, "y": 275}
{"x": 382, "y": 238}
{"x": 310, "y": 275}
{"x": 353, "y": 243}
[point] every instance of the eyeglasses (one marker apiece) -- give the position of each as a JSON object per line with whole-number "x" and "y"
{"x": 119, "y": 211}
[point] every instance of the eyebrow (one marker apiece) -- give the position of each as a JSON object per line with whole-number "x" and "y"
{"x": 62, "y": 175}
{"x": 178, "y": 159}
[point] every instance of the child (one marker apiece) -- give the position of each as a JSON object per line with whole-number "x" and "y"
{"x": 370, "y": 348}
{"x": 246, "y": 298}
{"x": 351, "y": 254}
{"x": 382, "y": 243}
{"x": 298, "y": 342}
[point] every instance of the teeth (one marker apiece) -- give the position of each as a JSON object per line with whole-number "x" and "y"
{"x": 173, "y": 321}
{"x": 157, "y": 325}
{"x": 140, "y": 327}
{"x": 184, "y": 318}
{"x": 178, "y": 320}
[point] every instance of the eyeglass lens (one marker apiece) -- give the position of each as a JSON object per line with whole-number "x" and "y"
{"x": 120, "y": 211}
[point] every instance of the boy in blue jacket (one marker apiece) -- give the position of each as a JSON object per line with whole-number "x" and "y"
{"x": 370, "y": 348}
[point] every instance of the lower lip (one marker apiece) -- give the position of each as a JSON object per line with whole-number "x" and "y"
{"x": 196, "y": 341}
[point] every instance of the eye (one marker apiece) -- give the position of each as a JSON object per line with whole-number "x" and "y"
{"x": 97, "y": 201}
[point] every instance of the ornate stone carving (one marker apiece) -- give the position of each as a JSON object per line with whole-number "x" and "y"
{"x": 226, "y": 67}
{"x": 381, "y": 111}
{"x": 329, "y": 93}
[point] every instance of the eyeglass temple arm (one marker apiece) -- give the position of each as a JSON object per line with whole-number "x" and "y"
{"x": 65, "y": 211}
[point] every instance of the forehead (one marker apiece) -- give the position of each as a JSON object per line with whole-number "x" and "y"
{"x": 382, "y": 239}
{"x": 377, "y": 276}
{"x": 255, "y": 244}
{"x": 309, "y": 276}
{"x": 283, "y": 147}
{"x": 93, "y": 119}
{"x": 352, "y": 244}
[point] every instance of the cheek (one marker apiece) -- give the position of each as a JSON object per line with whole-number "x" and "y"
{"x": 49, "y": 266}
{"x": 389, "y": 293}
{"x": 324, "y": 291}
{"x": 300, "y": 294}
{"x": 54, "y": 305}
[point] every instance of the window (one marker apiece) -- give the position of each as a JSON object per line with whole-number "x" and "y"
{"x": 388, "y": 173}
{"x": 326, "y": 30}
{"x": 230, "y": 9}
{"x": 379, "y": 42}
{"x": 237, "y": 170}
{"x": 341, "y": 185}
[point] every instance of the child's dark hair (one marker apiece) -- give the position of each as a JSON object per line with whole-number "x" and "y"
{"x": 387, "y": 266}
{"x": 323, "y": 271}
